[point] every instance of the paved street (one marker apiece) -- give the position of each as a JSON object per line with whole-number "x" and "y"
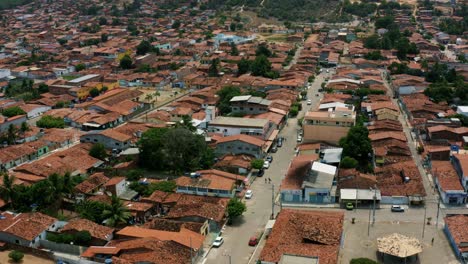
{"x": 259, "y": 208}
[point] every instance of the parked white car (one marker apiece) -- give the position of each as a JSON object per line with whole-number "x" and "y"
{"x": 248, "y": 194}
{"x": 309, "y": 102}
{"x": 299, "y": 138}
{"x": 266, "y": 164}
{"x": 218, "y": 242}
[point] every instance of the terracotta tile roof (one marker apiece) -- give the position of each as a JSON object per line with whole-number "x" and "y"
{"x": 439, "y": 128}
{"x": 94, "y": 181}
{"x": 386, "y": 135}
{"x": 457, "y": 226}
{"x": 463, "y": 160}
{"x": 201, "y": 206}
{"x": 26, "y": 225}
{"x": 94, "y": 250}
{"x": 184, "y": 237}
{"x": 305, "y": 233}
{"x": 172, "y": 225}
{"x": 97, "y": 231}
{"x": 244, "y": 138}
{"x": 446, "y": 175}
{"x": 116, "y": 135}
{"x": 114, "y": 181}
{"x": 390, "y": 181}
{"x": 151, "y": 250}
{"x": 75, "y": 160}
{"x": 138, "y": 206}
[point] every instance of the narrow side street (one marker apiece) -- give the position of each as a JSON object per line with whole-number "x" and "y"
{"x": 235, "y": 249}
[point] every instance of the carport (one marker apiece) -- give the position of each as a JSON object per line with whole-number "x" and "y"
{"x": 360, "y": 197}
{"x": 397, "y": 248}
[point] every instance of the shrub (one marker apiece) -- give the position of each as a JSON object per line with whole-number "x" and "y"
{"x": 362, "y": 261}
{"x": 256, "y": 164}
{"x": 16, "y": 256}
{"x": 51, "y": 122}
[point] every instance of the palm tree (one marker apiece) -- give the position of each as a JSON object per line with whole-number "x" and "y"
{"x": 6, "y": 190}
{"x": 116, "y": 213}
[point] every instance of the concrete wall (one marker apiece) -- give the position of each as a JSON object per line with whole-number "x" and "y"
{"x": 109, "y": 143}
{"x": 329, "y": 134}
{"x": 394, "y": 200}
{"x": 239, "y": 147}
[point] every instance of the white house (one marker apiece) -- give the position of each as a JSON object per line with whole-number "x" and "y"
{"x": 34, "y": 110}
{"x": 463, "y": 110}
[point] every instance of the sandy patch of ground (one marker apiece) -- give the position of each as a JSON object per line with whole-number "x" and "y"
{"x": 28, "y": 259}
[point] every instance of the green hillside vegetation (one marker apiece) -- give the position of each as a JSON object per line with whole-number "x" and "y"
{"x": 298, "y": 10}
{"x": 6, "y": 4}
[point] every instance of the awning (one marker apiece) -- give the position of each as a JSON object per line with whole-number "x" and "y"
{"x": 91, "y": 125}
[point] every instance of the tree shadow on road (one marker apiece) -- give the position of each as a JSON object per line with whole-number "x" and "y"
{"x": 238, "y": 221}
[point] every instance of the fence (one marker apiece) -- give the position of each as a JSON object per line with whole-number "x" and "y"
{"x": 64, "y": 248}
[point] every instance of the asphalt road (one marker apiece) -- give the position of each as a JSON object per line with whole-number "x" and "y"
{"x": 235, "y": 249}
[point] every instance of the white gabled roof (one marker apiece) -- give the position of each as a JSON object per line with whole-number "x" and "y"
{"x": 325, "y": 168}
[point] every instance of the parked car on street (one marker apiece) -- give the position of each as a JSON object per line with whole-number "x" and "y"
{"x": 397, "y": 208}
{"x": 218, "y": 242}
{"x": 280, "y": 142}
{"x": 299, "y": 138}
{"x": 266, "y": 164}
{"x": 248, "y": 194}
{"x": 260, "y": 172}
{"x": 349, "y": 206}
{"x": 269, "y": 158}
{"x": 253, "y": 241}
{"x": 309, "y": 102}
{"x": 274, "y": 149}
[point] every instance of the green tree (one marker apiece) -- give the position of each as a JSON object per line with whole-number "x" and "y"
{"x": 80, "y": 67}
{"x": 225, "y": 95}
{"x": 183, "y": 150}
{"x": 43, "y": 88}
{"x": 50, "y": 122}
{"x": 262, "y": 49}
{"x": 16, "y": 256}
{"x": 235, "y": 208}
{"x": 357, "y": 145}
{"x": 234, "y": 50}
{"x": 104, "y": 37}
{"x": 126, "y": 62}
{"x": 102, "y": 21}
{"x": 362, "y": 261}
{"x": 12, "y": 134}
{"x": 348, "y": 162}
{"x": 213, "y": 71}
{"x": 82, "y": 238}
{"x": 6, "y": 190}
{"x": 143, "y": 48}
{"x": 187, "y": 123}
{"x": 91, "y": 210}
{"x": 151, "y": 150}
{"x": 98, "y": 151}
{"x": 256, "y": 164}
{"x": 13, "y": 111}
{"x": 176, "y": 24}
{"x": 261, "y": 66}
{"x": 94, "y": 92}
{"x": 116, "y": 213}
{"x": 243, "y": 66}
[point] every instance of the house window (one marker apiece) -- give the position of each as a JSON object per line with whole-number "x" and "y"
{"x": 251, "y": 109}
{"x": 95, "y": 140}
{"x": 88, "y": 139}
{"x": 17, "y": 241}
{"x": 239, "y": 148}
{"x": 337, "y": 123}
{"x": 117, "y": 143}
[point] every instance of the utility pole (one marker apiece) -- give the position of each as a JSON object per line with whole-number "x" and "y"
{"x": 373, "y": 208}
{"x": 357, "y": 192}
{"x": 424, "y": 221}
{"x": 368, "y": 224}
{"x": 272, "y": 201}
{"x": 438, "y": 210}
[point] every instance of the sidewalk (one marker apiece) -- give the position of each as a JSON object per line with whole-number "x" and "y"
{"x": 308, "y": 205}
